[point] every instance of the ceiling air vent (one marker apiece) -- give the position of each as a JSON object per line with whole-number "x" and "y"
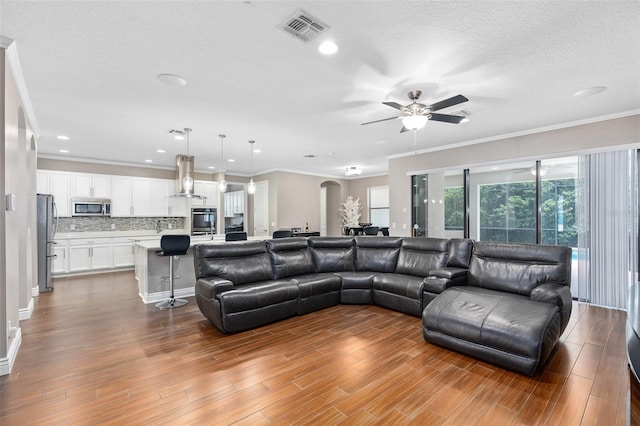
{"x": 303, "y": 26}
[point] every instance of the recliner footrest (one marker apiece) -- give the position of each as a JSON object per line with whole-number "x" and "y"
{"x": 505, "y": 329}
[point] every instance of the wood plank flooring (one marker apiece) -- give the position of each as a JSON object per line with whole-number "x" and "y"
{"x": 93, "y": 353}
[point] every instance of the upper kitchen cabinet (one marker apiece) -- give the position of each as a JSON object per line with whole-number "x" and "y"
{"x": 87, "y": 185}
{"x": 57, "y": 184}
{"x": 207, "y": 189}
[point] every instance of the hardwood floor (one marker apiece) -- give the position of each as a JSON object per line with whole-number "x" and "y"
{"x": 93, "y": 353}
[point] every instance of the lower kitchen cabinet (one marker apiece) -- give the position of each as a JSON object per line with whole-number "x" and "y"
{"x": 123, "y": 252}
{"x": 85, "y": 255}
{"x": 61, "y": 257}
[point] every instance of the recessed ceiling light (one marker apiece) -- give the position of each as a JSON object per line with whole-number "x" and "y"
{"x": 64, "y": 151}
{"x": 178, "y": 137}
{"x": 590, "y": 91}
{"x": 161, "y": 151}
{"x": 148, "y": 161}
{"x": 257, "y": 151}
{"x": 328, "y": 48}
{"x": 212, "y": 167}
{"x": 171, "y": 80}
{"x": 231, "y": 160}
{"x": 464, "y": 120}
{"x": 63, "y": 137}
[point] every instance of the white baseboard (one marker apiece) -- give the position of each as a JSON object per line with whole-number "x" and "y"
{"x": 35, "y": 291}
{"x": 6, "y": 364}
{"x": 25, "y": 313}
{"x": 164, "y": 295}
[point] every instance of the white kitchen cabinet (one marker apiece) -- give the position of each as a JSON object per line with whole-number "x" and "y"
{"x": 123, "y": 255}
{"x": 206, "y": 189}
{"x": 121, "y": 196}
{"x": 59, "y": 187}
{"x": 160, "y": 189}
{"x": 141, "y": 197}
{"x": 89, "y": 254}
{"x": 61, "y": 257}
{"x": 88, "y": 185}
{"x": 233, "y": 203}
{"x": 56, "y": 183}
{"x": 42, "y": 181}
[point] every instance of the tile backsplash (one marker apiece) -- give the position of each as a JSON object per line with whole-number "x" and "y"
{"x": 93, "y": 224}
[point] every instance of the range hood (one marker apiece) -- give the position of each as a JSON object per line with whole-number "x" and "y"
{"x": 184, "y": 171}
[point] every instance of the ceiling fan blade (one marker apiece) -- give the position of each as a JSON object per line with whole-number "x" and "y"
{"x": 404, "y": 129}
{"x": 455, "y": 100}
{"x": 377, "y": 121}
{"x": 395, "y": 105}
{"x": 446, "y": 118}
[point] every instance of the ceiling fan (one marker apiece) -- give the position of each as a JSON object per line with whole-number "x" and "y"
{"x": 415, "y": 115}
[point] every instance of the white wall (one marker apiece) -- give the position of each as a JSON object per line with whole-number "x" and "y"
{"x": 18, "y": 226}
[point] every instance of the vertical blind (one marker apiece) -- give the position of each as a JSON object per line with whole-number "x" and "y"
{"x": 608, "y": 228}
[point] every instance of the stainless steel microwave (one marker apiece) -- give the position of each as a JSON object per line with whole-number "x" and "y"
{"x": 203, "y": 220}
{"x": 90, "y": 207}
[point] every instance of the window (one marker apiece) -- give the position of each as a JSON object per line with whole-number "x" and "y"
{"x": 454, "y": 208}
{"x": 379, "y": 206}
{"x": 508, "y": 212}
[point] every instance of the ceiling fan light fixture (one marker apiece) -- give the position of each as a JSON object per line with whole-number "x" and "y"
{"x": 415, "y": 122}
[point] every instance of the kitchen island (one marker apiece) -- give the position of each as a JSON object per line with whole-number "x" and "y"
{"x": 152, "y": 271}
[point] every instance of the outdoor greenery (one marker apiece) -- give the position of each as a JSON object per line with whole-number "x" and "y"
{"x": 508, "y": 212}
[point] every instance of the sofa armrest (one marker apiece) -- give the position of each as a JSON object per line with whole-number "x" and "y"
{"x": 449, "y": 273}
{"x": 555, "y": 294}
{"x": 210, "y": 287}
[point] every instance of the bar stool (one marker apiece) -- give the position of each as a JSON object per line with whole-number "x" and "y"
{"x": 173, "y": 245}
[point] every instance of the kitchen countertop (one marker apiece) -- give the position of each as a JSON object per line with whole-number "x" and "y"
{"x": 154, "y": 244}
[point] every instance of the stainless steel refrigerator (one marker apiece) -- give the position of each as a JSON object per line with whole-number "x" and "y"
{"x": 47, "y": 224}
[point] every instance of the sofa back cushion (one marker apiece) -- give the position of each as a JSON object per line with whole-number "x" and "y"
{"x": 290, "y": 257}
{"x": 419, "y": 256}
{"x": 240, "y": 262}
{"x": 460, "y": 253}
{"x": 377, "y": 254}
{"x": 518, "y": 268}
{"x": 332, "y": 254}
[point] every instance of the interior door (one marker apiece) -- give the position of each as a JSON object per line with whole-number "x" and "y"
{"x": 261, "y": 210}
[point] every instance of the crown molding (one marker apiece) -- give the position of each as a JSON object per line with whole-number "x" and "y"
{"x": 517, "y": 134}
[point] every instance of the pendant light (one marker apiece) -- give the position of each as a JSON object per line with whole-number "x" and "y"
{"x": 187, "y": 180}
{"x": 223, "y": 183}
{"x": 251, "y": 188}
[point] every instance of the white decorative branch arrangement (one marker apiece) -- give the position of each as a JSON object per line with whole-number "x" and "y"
{"x": 350, "y": 212}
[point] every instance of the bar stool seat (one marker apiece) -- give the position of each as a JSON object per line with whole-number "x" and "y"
{"x": 173, "y": 245}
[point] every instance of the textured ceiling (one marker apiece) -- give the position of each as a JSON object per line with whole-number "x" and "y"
{"x": 90, "y": 70}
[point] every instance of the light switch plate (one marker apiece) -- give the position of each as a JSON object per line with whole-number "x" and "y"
{"x": 10, "y": 202}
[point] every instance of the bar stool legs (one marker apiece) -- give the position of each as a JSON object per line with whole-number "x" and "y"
{"x": 172, "y": 302}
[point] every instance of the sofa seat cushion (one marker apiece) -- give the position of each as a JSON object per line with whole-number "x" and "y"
{"x": 509, "y": 330}
{"x": 257, "y": 295}
{"x": 403, "y": 285}
{"x": 315, "y": 284}
{"x": 402, "y": 293}
{"x": 317, "y": 291}
{"x": 356, "y": 287}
